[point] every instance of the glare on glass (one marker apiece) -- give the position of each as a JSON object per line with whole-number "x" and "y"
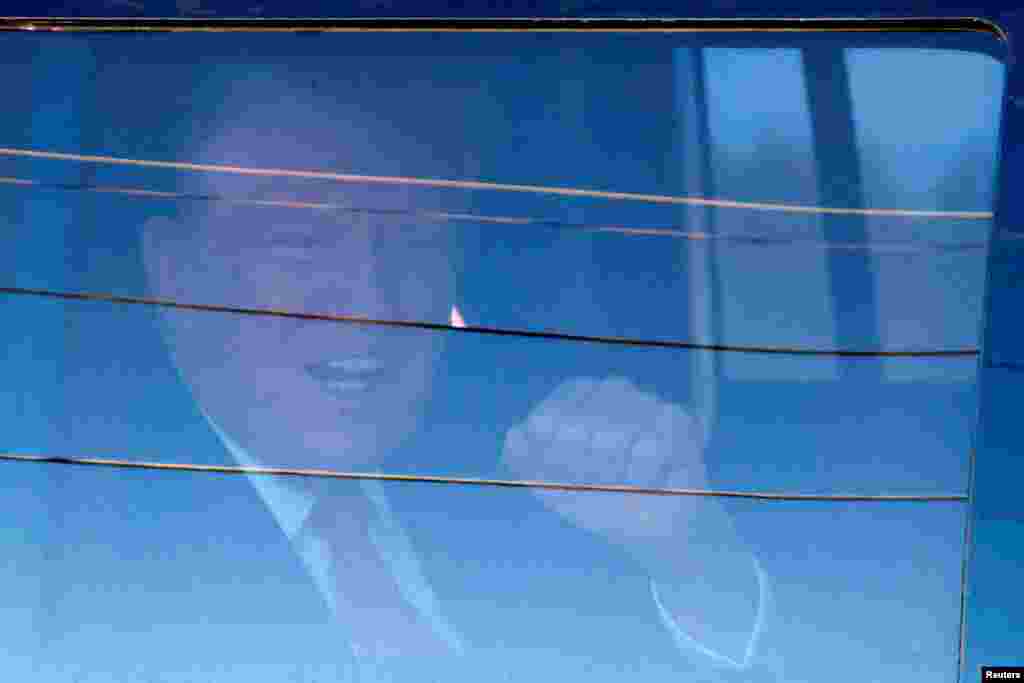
{"x": 403, "y": 268}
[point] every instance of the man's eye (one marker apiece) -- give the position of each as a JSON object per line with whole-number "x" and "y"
{"x": 293, "y": 241}
{"x": 290, "y": 253}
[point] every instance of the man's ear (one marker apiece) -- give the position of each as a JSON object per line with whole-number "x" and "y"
{"x": 169, "y": 260}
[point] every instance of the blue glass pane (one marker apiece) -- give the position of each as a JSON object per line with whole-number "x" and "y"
{"x": 801, "y": 192}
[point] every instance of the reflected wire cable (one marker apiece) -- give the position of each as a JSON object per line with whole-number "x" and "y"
{"x": 891, "y": 246}
{"x": 468, "y": 481}
{"x": 365, "y": 179}
{"x": 473, "y": 329}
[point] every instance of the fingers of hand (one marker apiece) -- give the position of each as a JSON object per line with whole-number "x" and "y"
{"x": 610, "y": 432}
{"x": 680, "y": 435}
{"x": 599, "y": 432}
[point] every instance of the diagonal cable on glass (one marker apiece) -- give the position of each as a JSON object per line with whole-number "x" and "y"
{"x": 675, "y": 231}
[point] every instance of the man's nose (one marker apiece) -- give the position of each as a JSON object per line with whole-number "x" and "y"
{"x": 352, "y": 279}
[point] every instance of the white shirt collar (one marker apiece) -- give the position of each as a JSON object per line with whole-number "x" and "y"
{"x": 289, "y": 505}
{"x": 687, "y": 642}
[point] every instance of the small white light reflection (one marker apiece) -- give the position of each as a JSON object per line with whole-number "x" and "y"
{"x": 455, "y": 318}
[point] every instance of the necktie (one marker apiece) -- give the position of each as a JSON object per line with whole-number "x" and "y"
{"x": 367, "y": 599}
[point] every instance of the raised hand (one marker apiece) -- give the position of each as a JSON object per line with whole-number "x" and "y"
{"x": 593, "y": 431}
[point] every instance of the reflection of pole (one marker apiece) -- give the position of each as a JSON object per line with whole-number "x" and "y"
{"x": 830, "y": 103}
{"x": 707, "y": 307}
{"x": 709, "y": 543}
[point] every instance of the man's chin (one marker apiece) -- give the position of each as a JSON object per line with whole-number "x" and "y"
{"x": 361, "y": 451}
{"x": 316, "y": 450}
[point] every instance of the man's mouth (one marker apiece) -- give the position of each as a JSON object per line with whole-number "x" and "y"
{"x": 347, "y": 377}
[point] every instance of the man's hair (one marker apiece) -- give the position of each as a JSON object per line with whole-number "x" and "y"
{"x": 288, "y": 116}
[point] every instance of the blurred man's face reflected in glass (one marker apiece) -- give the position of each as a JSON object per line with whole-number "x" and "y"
{"x": 298, "y": 393}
